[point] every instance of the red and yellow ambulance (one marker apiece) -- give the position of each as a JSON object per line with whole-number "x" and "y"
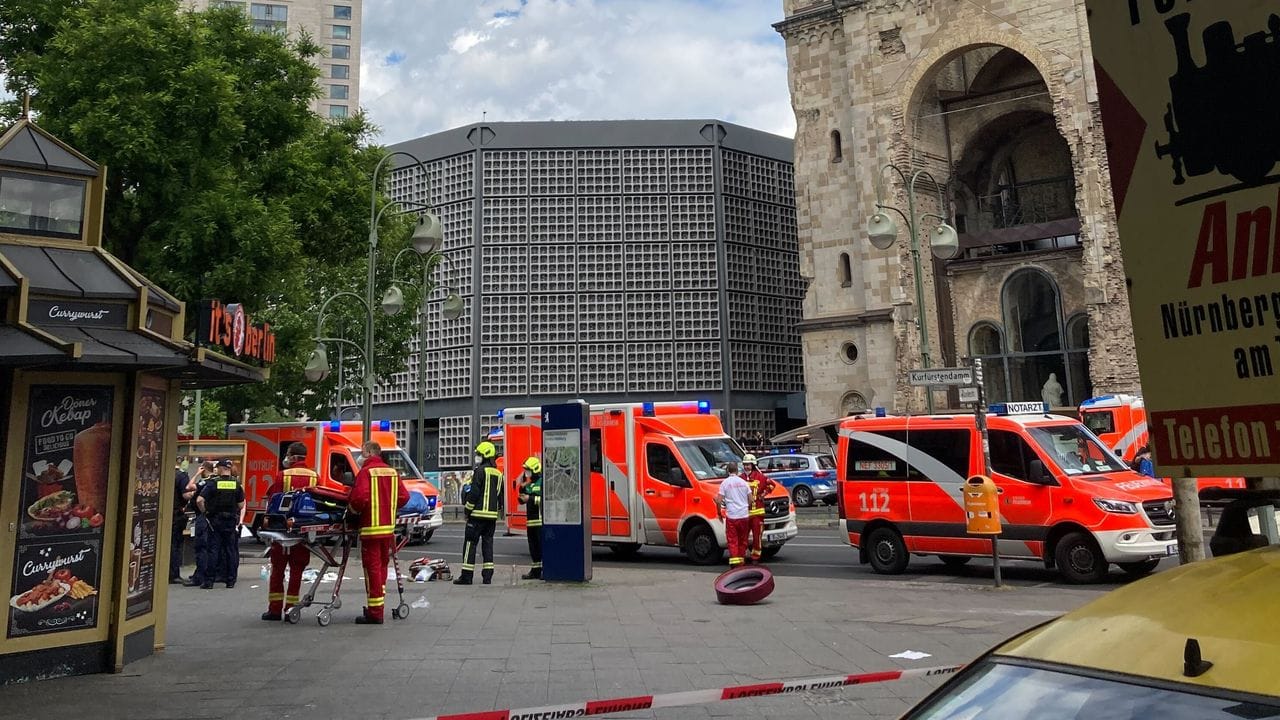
{"x": 1065, "y": 499}
{"x": 333, "y": 451}
{"x": 655, "y": 472}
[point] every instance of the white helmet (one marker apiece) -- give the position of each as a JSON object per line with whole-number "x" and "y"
{"x": 748, "y": 459}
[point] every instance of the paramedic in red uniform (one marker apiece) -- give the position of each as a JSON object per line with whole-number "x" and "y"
{"x": 376, "y": 496}
{"x": 296, "y": 477}
{"x": 733, "y": 502}
{"x": 761, "y": 487}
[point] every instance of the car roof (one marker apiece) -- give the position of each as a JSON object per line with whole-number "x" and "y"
{"x": 1142, "y": 629}
{"x": 957, "y": 420}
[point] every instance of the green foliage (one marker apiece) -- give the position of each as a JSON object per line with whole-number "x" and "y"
{"x": 213, "y": 419}
{"x": 221, "y": 181}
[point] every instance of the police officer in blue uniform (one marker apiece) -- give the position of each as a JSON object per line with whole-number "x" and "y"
{"x": 222, "y": 501}
{"x": 200, "y": 527}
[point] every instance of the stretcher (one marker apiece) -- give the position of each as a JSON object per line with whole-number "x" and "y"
{"x": 319, "y": 520}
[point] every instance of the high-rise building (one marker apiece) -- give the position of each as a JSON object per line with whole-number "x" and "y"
{"x": 610, "y": 261}
{"x": 335, "y": 26}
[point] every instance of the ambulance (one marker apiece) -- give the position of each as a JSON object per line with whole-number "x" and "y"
{"x": 655, "y": 470}
{"x": 1065, "y": 499}
{"x": 333, "y": 451}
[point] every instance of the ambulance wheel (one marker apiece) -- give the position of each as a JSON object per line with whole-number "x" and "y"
{"x": 1138, "y": 569}
{"x": 887, "y": 552}
{"x": 802, "y": 496}
{"x": 770, "y": 552}
{"x": 954, "y": 561}
{"x": 700, "y": 546}
{"x": 626, "y": 551}
{"x": 1079, "y": 559}
{"x": 426, "y": 536}
{"x": 324, "y": 618}
{"x": 293, "y": 615}
{"x": 744, "y": 585}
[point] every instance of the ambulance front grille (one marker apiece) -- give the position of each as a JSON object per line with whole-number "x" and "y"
{"x": 1160, "y": 512}
{"x": 777, "y": 507}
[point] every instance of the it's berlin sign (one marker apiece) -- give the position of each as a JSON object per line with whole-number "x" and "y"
{"x": 226, "y": 326}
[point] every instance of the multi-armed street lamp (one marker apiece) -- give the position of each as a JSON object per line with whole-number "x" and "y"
{"x": 428, "y": 236}
{"x": 882, "y": 230}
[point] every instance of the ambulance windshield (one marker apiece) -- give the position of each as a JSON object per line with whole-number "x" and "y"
{"x": 707, "y": 457}
{"x": 397, "y": 459}
{"x": 1075, "y": 449}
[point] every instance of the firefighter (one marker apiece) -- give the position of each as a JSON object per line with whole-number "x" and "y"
{"x": 531, "y": 496}
{"x": 481, "y": 503}
{"x": 761, "y": 487}
{"x": 222, "y": 502}
{"x": 296, "y": 477}
{"x": 376, "y": 496}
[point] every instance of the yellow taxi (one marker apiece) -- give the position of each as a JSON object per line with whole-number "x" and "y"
{"x": 1200, "y": 642}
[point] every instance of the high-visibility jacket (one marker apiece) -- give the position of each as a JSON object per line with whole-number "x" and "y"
{"x": 761, "y": 486}
{"x": 376, "y": 495}
{"x": 485, "y": 495}
{"x": 533, "y": 500}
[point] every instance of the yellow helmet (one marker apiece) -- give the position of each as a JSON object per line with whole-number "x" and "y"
{"x": 486, "y": 450}
{"x": 748, "y": 459}
{"x": 533, "y": 464}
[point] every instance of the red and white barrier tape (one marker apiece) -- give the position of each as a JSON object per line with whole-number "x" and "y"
{"x": 697, "y": 697}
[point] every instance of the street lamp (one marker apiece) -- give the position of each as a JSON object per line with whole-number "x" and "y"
{"x": 882, "y": 231}
{"x": 450, "y": 309}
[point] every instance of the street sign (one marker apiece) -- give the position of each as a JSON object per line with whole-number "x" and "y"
{"x": 940, "y": 376}
{"x": 968, "y": 394}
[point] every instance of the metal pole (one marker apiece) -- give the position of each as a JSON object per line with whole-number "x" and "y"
{"x": 422, "y": 370}
{"x": 1188, "y": 527}
{"x": 195, "y": 431}
{"x": 921, "y": 321}
{"x": 980, "y": 417}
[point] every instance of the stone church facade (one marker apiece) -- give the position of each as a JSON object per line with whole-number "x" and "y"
{"x": 992, "y": 106}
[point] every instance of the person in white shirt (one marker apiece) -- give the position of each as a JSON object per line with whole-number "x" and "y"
{"x": 733, "y": 505}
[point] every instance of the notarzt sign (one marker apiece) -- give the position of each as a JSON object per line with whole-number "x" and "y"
{"x": 227, "y": 326}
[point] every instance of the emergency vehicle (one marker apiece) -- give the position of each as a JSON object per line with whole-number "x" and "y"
{"x": 1192, "y": 642}
{"x": 1120, "y": 422}
{"x": 1065, "y": 499}
{"x": 656, "y": 468}
{"x": 333, "y": 451}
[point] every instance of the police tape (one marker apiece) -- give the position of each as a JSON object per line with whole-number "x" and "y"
{"x": 697, "y": 697}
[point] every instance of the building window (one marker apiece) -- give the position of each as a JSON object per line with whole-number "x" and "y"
{"x": 837, "y": 152}
{"x": 845, "y": 270}
{"x": 849, "y": 352}
{"x": 340, "y": 52}
{"x": 342, "y": 32}
{"x": 228, "y": 5}
{"x": 338, "y": 92}
{"x": 341, "y": 12}
{"x": 269, "y": 18}
{"x": 337, "y": 111}
{"x": 1035, "y": 356}
{"x": 41, "y": 205}
{"x": 340, "y": 72}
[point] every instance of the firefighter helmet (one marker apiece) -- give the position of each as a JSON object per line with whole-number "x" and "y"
{"x": 748, "y": 459}
{"x": 486, "y": 450}
{"x": 533, "y": 464}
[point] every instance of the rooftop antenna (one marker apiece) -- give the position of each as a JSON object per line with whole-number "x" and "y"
{"x": 483, "y": 115}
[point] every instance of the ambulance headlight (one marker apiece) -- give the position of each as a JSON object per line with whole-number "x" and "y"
{"x": 1120, "y": 507}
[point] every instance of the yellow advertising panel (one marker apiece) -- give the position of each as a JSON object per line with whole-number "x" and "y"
{"x": 1190, "y": 95}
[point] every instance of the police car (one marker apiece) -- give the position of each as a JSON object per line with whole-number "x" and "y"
{"x": 1194, "y": 643}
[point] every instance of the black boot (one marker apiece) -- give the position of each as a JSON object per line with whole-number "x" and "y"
{"x": 486, "y": 577}
{"x": 533, "y": 574}
{"x": 270, "y": 616}
{"x": 464, "y": 578}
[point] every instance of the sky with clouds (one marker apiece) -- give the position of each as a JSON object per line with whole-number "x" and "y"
{"x": 431, "y": 65}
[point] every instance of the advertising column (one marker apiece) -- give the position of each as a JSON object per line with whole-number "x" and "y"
{"x": 566, "y": 493}
{"x": 63, "y": 495}
{"x": 146, "y": 503}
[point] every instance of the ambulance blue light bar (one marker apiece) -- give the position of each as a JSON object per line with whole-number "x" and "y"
{"x": 1019, "y": 408}
{"x": 335, "y": 425}
{"x": 880, "y": 412}
{"x": 646, "y": 409}
{"x": 1096, "y": 400}
{"x": 384, "y": 425}
{"x": 704, "y": 407}
{"x": 500, "y": 413}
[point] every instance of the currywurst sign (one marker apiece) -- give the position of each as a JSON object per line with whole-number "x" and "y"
{"x": 1187, "y": 91}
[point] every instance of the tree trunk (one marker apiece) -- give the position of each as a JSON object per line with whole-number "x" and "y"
{"x": 1190, "y": 531}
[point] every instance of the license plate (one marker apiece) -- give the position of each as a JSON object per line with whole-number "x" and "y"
{"x": 1172, "y": 549}
{"x": 774, "y": 536}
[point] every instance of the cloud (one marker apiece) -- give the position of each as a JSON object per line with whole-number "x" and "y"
{"x": 572, "y": 60}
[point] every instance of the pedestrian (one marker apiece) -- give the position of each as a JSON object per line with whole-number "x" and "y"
{"x": 733, "y": 503}
{"x": 1142, "y": 462}
{"x": 761, "y": 487}
{"x": 376, "y": 495}
{"x": 480, "y": 504}
{"x": 181, "y": 481}
{"x": 222, "y": 502}
{"x": 200, "y": 535}
{"x": 531, "y": 496}
{"x": 297, "y": 476}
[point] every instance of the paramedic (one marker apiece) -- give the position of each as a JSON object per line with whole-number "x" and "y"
{"x": 531, "y": 496}
{"x": 296, "y": 477}
{"x": 480, "y": 503}
{"x": 733, "y": 503}
{"x": 761, "y": 487}
{"x": 377, "y": 494}
{"x": 222, "y": 502}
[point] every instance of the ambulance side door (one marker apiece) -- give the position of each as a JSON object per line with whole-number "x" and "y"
{"x": 939, "y": 462}
{"x": 665, "y": 492}
{"x": 1026, "y": 502}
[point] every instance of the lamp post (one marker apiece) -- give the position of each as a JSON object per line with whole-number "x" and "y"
{"x": 427, "y": 238}
{"x": 882, "y": 231}
{"x": 450, "y": 309}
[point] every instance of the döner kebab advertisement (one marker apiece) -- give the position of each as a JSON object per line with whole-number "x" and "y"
{"x": 63, "y": 495}
{"x": 1191, "y": 111}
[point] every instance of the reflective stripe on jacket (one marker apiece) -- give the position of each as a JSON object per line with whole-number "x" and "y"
{"x": 300, "y": 479}
{"x": 485, "y": 496}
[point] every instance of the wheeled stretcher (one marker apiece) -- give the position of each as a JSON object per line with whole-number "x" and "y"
{"x": 319, "y": 519}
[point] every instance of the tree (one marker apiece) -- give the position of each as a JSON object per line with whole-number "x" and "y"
{"x": 213, "y": 419}
{"x": 221, "y": 181}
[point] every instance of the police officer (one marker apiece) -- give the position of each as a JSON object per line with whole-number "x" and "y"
{"x": 481, "y": 503}
{"x": 531, "y": 496}
{"x": 181, "y": 482}
{"x": 297, "y": 476}
{"x": 200, "y": 527}
{"x": 222, "y": 501}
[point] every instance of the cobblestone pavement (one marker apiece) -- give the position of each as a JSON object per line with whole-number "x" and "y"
{"x": 516, "y": 644}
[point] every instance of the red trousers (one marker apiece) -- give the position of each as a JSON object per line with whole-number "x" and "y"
{"x": 295, "y": 558}
{"x": 375, "y": 553}
{"x": 756, "y": 532}
{"x": 735, "y": 533}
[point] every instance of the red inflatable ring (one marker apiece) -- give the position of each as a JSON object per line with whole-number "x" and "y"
{"x": 744, "y": 585}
